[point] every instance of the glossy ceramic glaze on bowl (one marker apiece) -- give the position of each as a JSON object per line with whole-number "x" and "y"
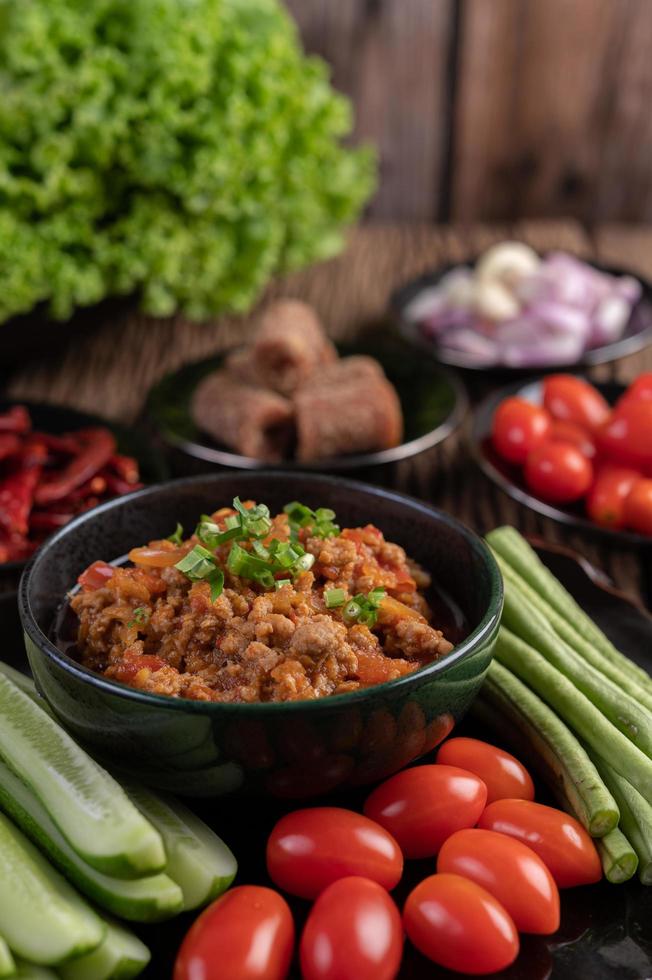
{"x": 288, "y": 749}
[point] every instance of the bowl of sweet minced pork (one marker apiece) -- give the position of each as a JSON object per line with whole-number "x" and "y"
{"x": 261, "y": 633}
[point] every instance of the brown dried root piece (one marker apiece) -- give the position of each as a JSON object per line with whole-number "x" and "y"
{"x": 348, "y": 407}
{"x": 251, "y": 420}
{"x": 289, "y": 346}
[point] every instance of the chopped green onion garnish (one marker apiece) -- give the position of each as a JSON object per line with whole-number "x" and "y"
{"x": 280, "y": 582}
{"x": 363, "y": 609}
{"x": 177, "y": 537}
{"x": 200, "y": 565}
{"x": 319, "y": 521}
{"x": 141, "y": 616}
{"x": 334, "y": 598}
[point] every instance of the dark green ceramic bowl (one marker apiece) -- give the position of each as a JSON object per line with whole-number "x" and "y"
{"x": 293, "y": 750}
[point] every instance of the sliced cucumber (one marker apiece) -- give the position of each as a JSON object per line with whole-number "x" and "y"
{"x": 7, "y": 962}
{"x": 120, "y": 956}
{"x": 89, "y": 807}
{"x": 25, "y": 683}
{"x": 149, "y": 899}
{"x": 30, "y": 971}
{"x": 198, "y": 860}
{"x": 41, "y": 916}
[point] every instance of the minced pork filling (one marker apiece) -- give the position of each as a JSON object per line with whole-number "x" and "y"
{"x": 269, "y": 609}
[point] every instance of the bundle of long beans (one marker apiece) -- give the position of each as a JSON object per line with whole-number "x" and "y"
{"x": 575, "y": 706}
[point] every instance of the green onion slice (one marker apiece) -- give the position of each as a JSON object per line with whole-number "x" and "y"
{"x": 320, "y": 521}
{"x": 177, "y": 537}
{"x": 200, "y": 565}
{"x": 334, "y": 598}
{"x": 363, "y": 608}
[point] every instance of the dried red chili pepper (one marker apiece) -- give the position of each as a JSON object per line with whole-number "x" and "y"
{"x": 15, "y": 420}
{"x": 117, "y": 487}
{"x": 94, "y": 487}
{"x": 125, "y": 466}
{"x": 65, "y": 445}
{"x": 46, "y": 520}
{"x": 16, "y": 498}
{"x": 10, "y": 444}
{"x": 98, "y": 447}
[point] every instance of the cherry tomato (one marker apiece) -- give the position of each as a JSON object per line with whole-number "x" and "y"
{"x": 639, "y": 391}
{"x": 576, "y": 435}
{"x": 638, "y": 507}
{"x": 250, "y": 928}
{"x": 353, "y": 932}
{"x": 558, "y": 472}
{"x": 422, "y": 806}
{"x": 512, "y": 872}
{"x": 626, "y": 437}
{"x": 518, "y": 427}
{"x": 560, "y": 840}
{"x": 605, "y": 503}
{"x": 502, "y": 774}
{"x": 310, "y": 849}
{"x": 459, "y": 925}
{"x": 571, "y": 399}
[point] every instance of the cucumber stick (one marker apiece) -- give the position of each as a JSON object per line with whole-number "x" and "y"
{"x": 89, "y": 807}
{"x": 25, "y": 683}
{"x": 41, "y": 916}
{"x": 7, "y": 962}
{"x": 149, "y": 899}
{"x": 30, "y": 971}
{"x": 120, "y": 956}
{"x": 198, "y": 860}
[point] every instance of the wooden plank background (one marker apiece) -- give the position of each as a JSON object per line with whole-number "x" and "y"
{"x": 496, "y": 110}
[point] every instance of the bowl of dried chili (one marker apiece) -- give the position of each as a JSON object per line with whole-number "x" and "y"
{"x": 56, "y": 463}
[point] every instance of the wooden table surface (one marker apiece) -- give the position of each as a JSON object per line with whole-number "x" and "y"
{"x": 110, "y": 369}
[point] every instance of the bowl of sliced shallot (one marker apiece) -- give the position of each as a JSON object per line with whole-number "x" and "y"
{"x": 512, "y": 309}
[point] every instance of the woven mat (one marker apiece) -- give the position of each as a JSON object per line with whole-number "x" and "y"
{"x": 109, "y": 370}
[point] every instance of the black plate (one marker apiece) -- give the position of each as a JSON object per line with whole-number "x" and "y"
{"x": 637, "y": 334}
{"x": 58, "y": 419}
{"x": 605, "y": 933}
{"x": 510, "y": 477}
{"x": 433, "y": 400}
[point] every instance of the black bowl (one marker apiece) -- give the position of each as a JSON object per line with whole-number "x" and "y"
{"x": 510, "y": 477}
{"x": 433, "y": 401}
{"x": 636, "y": 336}
{"x": 289, "y": 749}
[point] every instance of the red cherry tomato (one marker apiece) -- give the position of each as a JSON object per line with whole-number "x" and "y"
{"x": 502, "y": 774}
{"x": 422, "y": 806}
{"x": 639, "y": 391}
{"x": 638, "y": 507}
{"x": 605, "y": 503}
{"x": 571, "y": 399}
{"x": 561, "y": 841}
{"x": 310, "y": 849}
{"x": 626, "y": 437}
{"x": 353, "y": 932}
{"x": 558, "y": 472}
{"x": 518, "y": 427}
{"x": 250, "y": 928}
{"x": 574, "y": 434}
{"x": 513, "y": 873}
{"x": 459, "y": 925}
